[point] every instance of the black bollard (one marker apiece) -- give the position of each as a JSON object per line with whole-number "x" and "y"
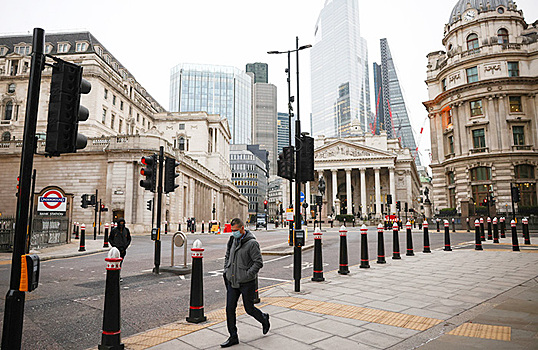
{"x": 179, "y": 226}
{"x": 203, "y": 224}
{"x": 410, "y": 251}
{"x": 82, "y": 246}
{"x": 426, "y": 238}
{"x": 490, "y": 234}
{"x": 365, "y": 263}
{"x": 503, "y": 227}
{"x": 105, "y": 241}
{"x": 515, "y": 244}
{"x": 495, "y": 230}
{"x": 111, "y": 337}
{"x": 395, "y": 242}
{"x": 196, "y": 310}
{"x": 78, "y": 228}
{"x": 318, "y": 258}
{"x": 482, "y": 235}
{"x": 478, "y": 240}
{"x": 453, "y": 225}
{"x": 380, "y": 245}
{"x": 526, "y": 234}
{"x": 468, "y": 226}
{"x": 438, "y": 220}
{"x": 448, "y": 248}
{"x": 344, "y": 269}
{"x": 74, "y": 228}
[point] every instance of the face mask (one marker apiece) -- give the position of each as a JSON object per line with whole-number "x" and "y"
{"x": 236, "y": 234}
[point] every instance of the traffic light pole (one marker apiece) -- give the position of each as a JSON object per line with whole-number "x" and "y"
{"x": 95, "y": 215}
{"x": 31, "y": 216}
{"x": 157, "y": 258}
{"x": 290, "y": 109}
{"x": 99, "y": 216}
{"x": 14, "y": 306}
{"x": 297, "y": 251}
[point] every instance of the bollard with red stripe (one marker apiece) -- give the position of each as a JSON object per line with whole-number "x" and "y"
{"x": 318, "y": 257}
{"x": 503, "y": 227}
{"x": 526, "y": 235}
{"x": 448, "y": 248}
{"x": 203, "y": 224}
{"x": 426, "y": 238}
{"x": 74, "y": 228}
{"x": 482, "y": 235}
{"x": 380, "y": 245}
{"x": 365, "y": 263}
{"x": 515, "y": 244}
{"x": 453, "y": 225}
{"x": 82, "y": 246}
{"x": 478, "y": 240}
{"x": 111, "y": 336}
{"x": 490, "y": 236}
{"x": 438, "y": 220}
{"x": 105, "y": 241}
{"x": 78, "y": 229}
{"x": 344, "y": 269}
{"x": 395, "y": 242}
{"x": 196, "y": 311}
{"x": 468, "y": 227}
{"x": 410, "y": 251}
{"x": 495, "y": 230}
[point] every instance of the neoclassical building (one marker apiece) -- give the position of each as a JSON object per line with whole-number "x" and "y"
{"x": 360, "y": 171}
{"x": 125, "y": 124}
{"x": 482, "y": 108}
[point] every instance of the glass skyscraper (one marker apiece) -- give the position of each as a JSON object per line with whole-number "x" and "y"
{"x": 222, "y": 90}
{"x": 391, "y": 113}
{"x": 339, "y": 64}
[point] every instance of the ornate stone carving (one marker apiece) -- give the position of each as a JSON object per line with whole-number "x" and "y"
{"x": 342, "y": 150}
{"x": 452, "y": 78}
{"x": 492, "y": 67}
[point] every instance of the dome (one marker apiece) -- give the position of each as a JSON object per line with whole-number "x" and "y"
{"x": 481, "y": 5}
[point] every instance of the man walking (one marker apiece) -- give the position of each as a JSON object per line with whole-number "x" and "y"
{"x": 120, "y": 237}
{"x": 242, "y": 262}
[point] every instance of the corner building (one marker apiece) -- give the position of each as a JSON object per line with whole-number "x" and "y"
{"x": 482, "y": 108}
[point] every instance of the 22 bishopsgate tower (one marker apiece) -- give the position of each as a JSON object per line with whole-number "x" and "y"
{"x": 339, "y": 64}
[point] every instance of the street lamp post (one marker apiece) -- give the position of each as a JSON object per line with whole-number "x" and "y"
{"x": 297, "y": 250}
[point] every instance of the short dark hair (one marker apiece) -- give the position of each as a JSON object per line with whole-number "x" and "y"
{"x": 237, "y": 221}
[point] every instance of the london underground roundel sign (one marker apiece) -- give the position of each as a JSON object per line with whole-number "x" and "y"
{"x": 52, "y": 200}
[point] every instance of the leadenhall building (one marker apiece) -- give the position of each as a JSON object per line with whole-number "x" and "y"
{"x": 482, "y": 109}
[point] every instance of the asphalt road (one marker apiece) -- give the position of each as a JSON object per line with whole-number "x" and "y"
{"x": 66, "y": 310}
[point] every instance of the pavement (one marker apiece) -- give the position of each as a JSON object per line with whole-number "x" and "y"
{"x": 462, "y": 299}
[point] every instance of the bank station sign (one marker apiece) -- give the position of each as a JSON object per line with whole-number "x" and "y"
{"x": 51, "y": 203}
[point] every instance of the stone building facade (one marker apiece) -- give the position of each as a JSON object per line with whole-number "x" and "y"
{"x": 483, "y": 107}
{"x": 125, "y": 124}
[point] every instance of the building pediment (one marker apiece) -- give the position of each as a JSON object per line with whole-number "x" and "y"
{"x": 344, "y": 150}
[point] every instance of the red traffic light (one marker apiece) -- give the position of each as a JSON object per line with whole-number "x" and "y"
{"x": 265, "y": 202}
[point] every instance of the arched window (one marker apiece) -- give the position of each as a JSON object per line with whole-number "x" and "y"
{"x": 502, "y": 36}
{"x": 9, "y": 111}
{"x": 181, "y": 143}
{"x": 6, "y": 136}
{"x": 472, "y": 42}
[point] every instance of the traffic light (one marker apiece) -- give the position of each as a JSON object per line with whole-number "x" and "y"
{"x": 85, "y": 201}
{"x": 398, "y": 205}
{"x": 265, "y": 204}
{"x": 103, "y": 208}
{"x": 65, "y": 110}
{"x": 149, "y": 204}
{"x": 389, "y": 198}
{"x": 406, "y": 208}
{"x": 18, "y": 186}
{"x": 170, "y": 175}
{"x": 307, "y": 158}
{"x": 93, "y": 200}
{"x": 150, "y": 172}
{"x": 285, "y": 163}
{"x": 516, "y": 195}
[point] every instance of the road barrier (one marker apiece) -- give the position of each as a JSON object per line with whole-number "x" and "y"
{"x": 482, "y": 235}
{"x": 395, "y": 242}
{"x": 365, "y": 264}
{"x": 344, "y": 269}
{"x": 380, "y": 245}
{"x": 490, "y": 236}
{"x": 410, "y": 251}
{"x": 495, "y": 230}
{"x": 105, "y": 239}
{"x": 515, "y": 244}
{"x": 426, "y": 238}
{"x": 526, "y": 235}
{"x": 318, "y": 257}
{"x": 82, "y": 243}
{"x": 503, "y": 227}
{"x": 196, "y": 309}
{"x": 448, "y": 248}
{"x": 478, "y": 239}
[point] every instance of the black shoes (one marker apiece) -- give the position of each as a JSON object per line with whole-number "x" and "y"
{"x": 231, "y": 341}
{"x": 266, "y": 324}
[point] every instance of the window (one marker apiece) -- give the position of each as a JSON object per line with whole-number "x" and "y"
{"x": 3, "y": 50}
{"x": 8, "y": 111}
{"x": 6, "y": 136}
{"x": 479, "y": 139}
{"x": 182, "y": 126}
{"x": 130, "y": 111}
{"x": 472, "y": 74}
{"x": 451, "y": 178}
{"x": 14, "y": 67}
{"x": 481, "y": 173}
{"x": 103, "y": 120}
{"x": 472, "y": 42}
{"x": 81, "y": 47}
{"x": 63, "y": 47}
{"x": 502, "y": 36}
{"x": 138, "y": 117}
{"x": 527, "y": 191}
{"x": 121, "y": 105}
{"x": 451, "y": 144}
{"x": 515, "y": 104}
{"x": 48, "y": 48}
{"x": 114, "y": 100}
{"x": 452, "y": 197}
{"x": 513, "y": 69}
{"x": 23, "y": 50}
{"x": 524, "y": 171}
{"x": 11, "y": 88}
{"x": 120, "y": 127}
{"x": 181, "y": 143}
{"x": 106, "y": 94}
{"x": 443, "y": 85}
{"x": 480, "y": 192}
{"x": 476, "y": 108}
{"x": 112, "y": 121}
{"x": 519, "y": 135}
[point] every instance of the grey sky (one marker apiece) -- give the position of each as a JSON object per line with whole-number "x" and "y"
{"x": 150, "y": 37}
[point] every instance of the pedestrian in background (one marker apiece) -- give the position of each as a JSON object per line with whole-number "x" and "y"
{"x": 242, "y": 262}
{"x": 120, "y": 237}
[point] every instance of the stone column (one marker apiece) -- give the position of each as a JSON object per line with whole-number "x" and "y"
{"x": 363, "y": 191}
{"x": 334, "y": 188}
{"x": 392, "y": 188}
{"x": 348, "y": 191}
{"x": 377, "y": 192}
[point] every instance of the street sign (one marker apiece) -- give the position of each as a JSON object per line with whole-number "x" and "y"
{"x": 289, "y": 214}
{"x": 302, "y": 197}
{"x": 52, "y": 201}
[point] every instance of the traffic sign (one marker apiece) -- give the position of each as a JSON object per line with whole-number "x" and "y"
{"x": 302, "y": 197}
{"x": 52, "y": 200}
{"x": 289, "y": 214}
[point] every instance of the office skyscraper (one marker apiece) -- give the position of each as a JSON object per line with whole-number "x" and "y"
{"x": 260, "y": 71}
{"x": 222, "y": 90}
{"x": 264, "y": 121}
{"x": 391, "y": 113}
{"x": 339, "y": 67}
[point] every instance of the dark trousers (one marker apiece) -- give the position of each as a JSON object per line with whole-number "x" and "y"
{"x": 232, "y": 296}
{"x": 122, "y": 255}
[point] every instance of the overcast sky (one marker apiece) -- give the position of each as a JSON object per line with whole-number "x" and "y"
{"x": 150, "y": 37}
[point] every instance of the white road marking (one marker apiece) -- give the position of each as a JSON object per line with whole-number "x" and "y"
{"x": 276, "y": 259}
{"x": 148, "y": 270}
{"x": 182, "y": 277}
{"x": 273, "y": 279}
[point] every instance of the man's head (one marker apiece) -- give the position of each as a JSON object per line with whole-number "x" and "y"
{"x": 237, "y": 225}
{"x": 121, "y": 222}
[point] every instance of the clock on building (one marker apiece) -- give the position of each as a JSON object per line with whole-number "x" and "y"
{"x": 469, "y": 15}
